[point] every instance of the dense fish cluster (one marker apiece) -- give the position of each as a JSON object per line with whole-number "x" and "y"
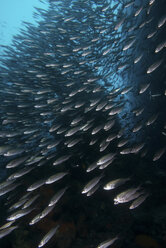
{"x": 83, "y": 113}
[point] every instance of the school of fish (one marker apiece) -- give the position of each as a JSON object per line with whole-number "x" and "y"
{"x": 80, "y": 93}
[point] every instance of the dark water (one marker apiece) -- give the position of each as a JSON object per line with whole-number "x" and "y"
{"x": 48, "y": 80}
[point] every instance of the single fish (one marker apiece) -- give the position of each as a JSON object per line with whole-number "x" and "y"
{"x": 48, "y": 236}
{"x": 138, "y": 201}
{"x": 144, "y": 87}
{"x": 57, "y": 197}
{"x": 154, "y": 66}
{"x": 115, "y": 183}
{"x": 62, "y": 159}
{"x": 36, "y": 185}
{"x": 107, "y": 243}
{"x": 106, "y": 158}
{"x": 127, "y": 195}
{"x": 20, "y": 213}
{"x": 7, "y": 231}
{"x": 56, "y": 177}
{"x": 159, "y": 153}
{"x": 91, "y": 184}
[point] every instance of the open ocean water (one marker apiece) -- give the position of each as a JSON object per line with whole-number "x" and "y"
{"x": 83, "y": 126}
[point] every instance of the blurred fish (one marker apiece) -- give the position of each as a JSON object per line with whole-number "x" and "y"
{"x": 107, "y": 243}
{"x": 162, "y": 21}
{"x": 127, "y": 195}
{"x": 8, "y": 224}
{"x": 144, "y": 87}
{"x": 91, "y": 184}
{"x": 7, "y": 231}
{"x": 55, "y": 177}
{"x": 138, "y": 201}
{"x": 48, "y": 236}
{"x": 159, "y": 153}
{"x": 105, "y": 158}
{"x": 154, "y": 66}
{"x": 57, "y": 197}
{"x": 36, "y": 185}
{"x": 115, "y": 183}
{"x": 20, "y": 213}
{"x": 30, "y": 201}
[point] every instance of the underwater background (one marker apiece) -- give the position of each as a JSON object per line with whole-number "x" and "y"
{"x": 83, "y": 124}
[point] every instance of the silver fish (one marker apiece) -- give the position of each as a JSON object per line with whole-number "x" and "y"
{"x": 103, "y": 166}
{"x": 35, "y": 219}
{"x": 105, "y": 158}
{"x": 138, "y": 201}
{"x": 20, "y": 213}
{"x": 119, "y": 24}
{"x": 151, "y": 34}
{"x": 162, "y": 21}
{"x": 138, "y": 11}
{"x": 122, "y": 143}
{"x": 92, "y": 166}
{"x": 115, "y": 183}
{"x": 61, "y": 160}
{"x": 48, "y": 236}
{"x": 55, "y": 177}
{"x": 8, "y": 188}
{"x": 159, "y": 153}
{"x": 154, "y": 66}
{"x": 36, "y": 185}
{"x": 97, "y": 129}
{"x": 18, "y": 204}
{"x": 127, "y": 195}
{"x": 16, "y": 162}
{"x": 138, "y": 59}
{"x": 152, "y": 119}
{"x": 128, "y": 45}
{"x": 7, "y": 231}
{"x": 8, "y": 224}
{"x": 91, "y": 184}
{"x": 93, "y": 190}
{"x": 72, "y": 131}
{"x": 46, "y": 211}
{"x": 107, "y": 243}
{"x": 14, "y": 151}
{"x": 30, "y": 201}
{"x": 144, "y": 87}
{"x": 57, "y": 197}
{"x": 109, "y": 125}
{"x": 160, "y": 46}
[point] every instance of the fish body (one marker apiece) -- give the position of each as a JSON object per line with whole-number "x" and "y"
{"x": 128, "y": 45}
{"x": 48, "y": 236}
{"x": 62, "y": 159}
{"x": 91, "y": 184}
{"x": 57, "y": 197}
{"x": 36, "y": 185}
{"x": 20, "y": 213}
{"x": 159, "y": 153}
{"x": 7, "y": 231}
{"x": 144, "y": 87}
{"x": 115, "y": 183}
{"x": 107, "y": 243}
{"x": 55, "y": 177}
{"x": 154, "y": 66}
{"x": 106, "y": 158}
{"x": 136, "y": 203}
{"x": 126, "y": 196}
{"x": 30, "y": 201}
